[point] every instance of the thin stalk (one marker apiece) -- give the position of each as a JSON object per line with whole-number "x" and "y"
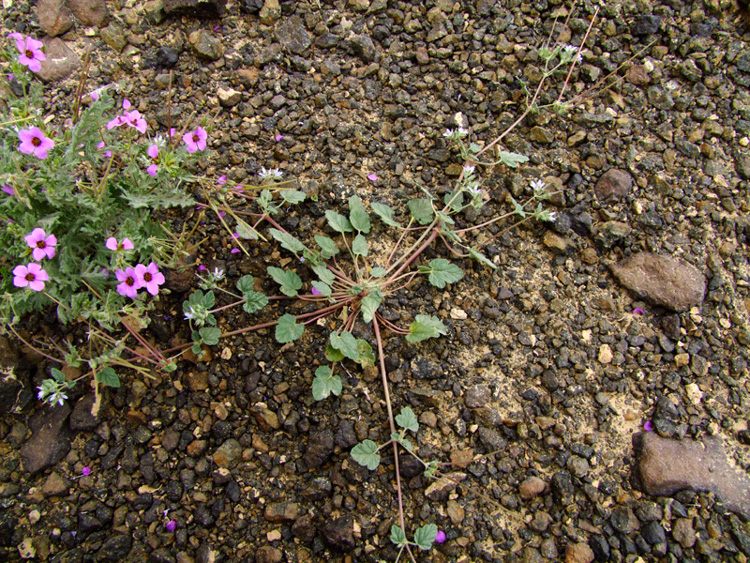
{"x": 412, "y": 256}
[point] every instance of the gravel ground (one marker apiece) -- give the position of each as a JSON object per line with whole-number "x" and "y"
{"x": 553, "y": 362}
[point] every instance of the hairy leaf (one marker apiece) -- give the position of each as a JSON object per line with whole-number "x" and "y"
{"x": 366, "y": 453}
{"x": 370, "y": 304}
{"x": 358, "y": 216}
{"x": 289, "y": 281}
{"x": 398, "y": 537}
{"x": 408, "y": 420}
{"x": 359, "y": 246}
{"x": 511, "y": 159}
{"x": 287, "y": 329}
{"x": 378, "y": 272}
{"x": 210, "y": 335}
{"x": 254, "y": 301}
{"x": 287, "y": 241}
{"x": 293, "y": 197}
{"x": 385, "y": 213}
{"x": 424, "y": 327}
{"x": 346, "y": 344}
{"x": 323, "y": 288}
{"x": 338, "y": 222}
{"x": 422, "y": 211}
{"x": 108, "y": 376}
{"x": 443, "y": 272}
{"x": 327, "y": 246}
{"x": 479, "y": 257}
{"x": 324, "y": 274}
{"x": 325, "y": 383}
{"x": 425, "y": 536}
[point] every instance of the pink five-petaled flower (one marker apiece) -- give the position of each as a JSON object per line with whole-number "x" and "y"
{"x": 33, "y": 141}
{"x": 30, "y": 275}
{"x": 125, "y": 244}
{"x": 8, "y": 189}
{"x": 134, "y": 120}
{"x": 153, "y": 152}
{"x": 195, "y": 140}
{"x": 130, "y": 282}
{"x": 151, "y": 277}
{"x": 31, "y": 51}
{"x": 43, "y": 245}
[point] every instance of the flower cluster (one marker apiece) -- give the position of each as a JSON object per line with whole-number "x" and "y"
{"x": 32, "y": 275}
{"x": 130, "y": 118}
{"x": 30, "y": 50}
{"x": 132, "y": 279}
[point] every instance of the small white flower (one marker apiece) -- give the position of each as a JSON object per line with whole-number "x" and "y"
{"x": 468, "y": 170}
{"x": 552, "y": 217}
{"x": 269, "y": 174}
{"x": 218, "y": 273}
{"x": 462, "y": 132}
{"x": 474, "y": 190}
{"x": 449, "y": 133}
{"x": 538, "y": 185}
{"x": 190, "y": 314}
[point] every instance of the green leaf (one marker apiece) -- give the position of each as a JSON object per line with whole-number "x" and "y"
{"x": 443, "y": 272}
{"x": 385, "y": 213}
{"x": 323, "y": 288}
{"x": 293, "y": 197}
{"x": 370, "y": 304}
{"x": 324, "y": 274}
{"x": 325, "y": 383}
{"x": 328, "y": 247}
{"x": 338, "y": 222}
{"x": 333, "y": 355}
{"x": 424, "y": 327}
{"x": 366, "y": 355}
{"x": 398, "y": 537}
{"x": 265, "y": 201}
{"x": 346, "y": 344}
{"x": 210, "y": 335}
{"x": 254, "y": 301}
{"x": 358, "y": 216}
{"x": 366, "y": 453}
{"x": 287, "y": 241}
{"x": 398, "y": 437}
{"x": 456, "y": 199}
{"x": 287, "y": 329}
{"x": 479, "y": 257}
{"x": 289, "y": 281}
{"x": 425, "y": 536}
{"x": 422, "y": 211}
{"x": 431, "y": 469}
{"x": 407, "y": 420}
{"x": 511, "y": 159}
{"x": 244, "y": 230}
{"x": 518, "y": 208}
{"x": 475, "y": 148}
{"x": 378, "y": 272}
{"x": 359, "y": 245}
{"x": 245, "y": 284}
{"x": 108, "y": 376}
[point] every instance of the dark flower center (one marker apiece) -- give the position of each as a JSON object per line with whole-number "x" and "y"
{"x": 130, "y": 281}
{"x": 196, "y": 138}
{"x": 147, "y": 277}
{"x": 36, "y": 141}
{"x": 30, "y": 277}
{"x": 41, "y": 244}
{"x": 29, "y": 54}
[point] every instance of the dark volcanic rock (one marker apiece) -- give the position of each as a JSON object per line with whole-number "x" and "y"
{"x": 665, "y": 466}
{"x": 662, "y": 280}
{"x": 613, "y": 184}
{"x": 202, "y": 8}
{"x": 50, "y": 440}
{"x": 292, "y": 34}
{"x": 319, "y": 448}
{"x": 339, "y": 533}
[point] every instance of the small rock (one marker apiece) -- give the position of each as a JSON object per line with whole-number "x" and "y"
{"x": 578, "y": 553}
{"x": 229, "y": 98}
{"x": 55, "y": 485}
{"x": 206, "y": 44}
{"x": 61, "y": 61}
{"x": 270, "y": 12}
{"x": 664, "y": 466}
{"x": 49, "y": 441}
{"x": 113, "y": 36}
{"x": 605, "y": 354}
{"x": 540, "y": 135}
{"x": 683, "y": 532}
{"x": 268, "y": 554}
{"x": 624, "y": 520}
{"x": 363, "y": 47}
{"x": 81, "y": 417}
{"x": 555, "y": 242}
{"x": 531, "y": 487}
{"x": 196, "y": 381}
{"x": 440, "y": 489}
{"x": 304, "y": 528}
{"x": 251, "y": 6}
{"x": 282, "y": 512}
{"x": 319, "y": 448}
{"x": 115, "y": 547}
{"x": 55, "y": 18}
{"x": 90, "y": 12}
{"x": 227, "y": 453}
{"x": 339, "y": 533}
{"x": 265, "y": 417}
{"x": 662, "y": 280}
{"x": 293, "y": 36}
{"x": 613, "y": 185}
{"x": 646, "y": 25}
{"x": 200, "y": 8}
{"x": 638, "y": 75}
{"x": 477, "y": 396}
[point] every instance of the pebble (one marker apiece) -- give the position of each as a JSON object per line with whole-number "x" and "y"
{"x": 531, "y": 487}
{"x": 662, "y": 280}
{"x": 613, "y": 185}
{"x": 49, "y": 441}
{"x": 477, "y": 396}
{"x": 206, "y": 44}
{"x": 578, "y": 553}
{"x": 293, "y": 36}
{"x": 227, "y": 453}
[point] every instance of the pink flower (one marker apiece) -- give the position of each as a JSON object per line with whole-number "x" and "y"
{"x": 171, "y": 526}
{"x": 30, "y": 275}
{"x": 372, "y": 177}
{"x": 31, "y": 51}
{"x": 234, "y": 251}
{"x": 43, "y": 245}
{"x": 195, "y": 140}
{"x": 116, "y": 122}
{"x": 314, "y": 291}
{"x": 202, "y": 267}
{"x": 134, "y": 120}
{"x": 8, "y": 189}
{"x": 34, "y": 141}
{"x": 279, "y": 137}
{"x": 125, "y": 104}
{"x": 648, "y": 426}
{"x": 639, "y": 311}
{"x": 153, "y": 152}
{"x": 222, "y": 180}
{"x": 130, "y": 282}
{"x": 86, "y": 471}
{"x": 440, "y": 537}
{"x": 113, "y": 245}
{"x": 151, "y": 277}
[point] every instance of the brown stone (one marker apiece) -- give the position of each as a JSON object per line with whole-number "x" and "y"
{"x": 282, "y": 512}
{"x": 613, "y": 184}
{"x": 50, "y": 438}
{"x": 638, "y": 75}
{"x": 61, "y": 61}
{"x": 662, "y": 280}
{"x": 90, "y": 12}
{"x": 55, "y": 485}
{"x": 578, "y": 553}
{"x": 665, "y": 466}
{"x": 54, "y": 17}
{"x": 531, "y": 487}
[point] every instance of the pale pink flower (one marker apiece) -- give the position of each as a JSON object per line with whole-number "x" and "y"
{"x": 33, "y": 141}
{"x": 153, "y": 152}
{"x": 30, "y": 275}
{"x": 134, "y": 120}
{"x": 125, "y": 244}
{"x": 31, "y": 52}
{"x": 43, "y": 245}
